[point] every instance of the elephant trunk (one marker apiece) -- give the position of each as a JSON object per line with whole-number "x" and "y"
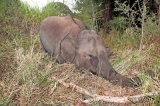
{"x": 107, "y": 71}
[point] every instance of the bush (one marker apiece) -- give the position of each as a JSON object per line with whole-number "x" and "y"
{"x": 118, "y": 23}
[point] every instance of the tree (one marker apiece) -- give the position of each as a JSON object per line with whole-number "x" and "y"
{"x": 158, "y": 2}
{"x": 104, "y": 11}
{"x": 85, "y": 10}
{"x": 57, "y": 8}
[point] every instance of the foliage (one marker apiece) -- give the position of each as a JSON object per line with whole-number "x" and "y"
{"x": 56, "y": 9}
{"x": 17, "y": 17}
{"x": 86, "y": 10}
{"x": 129, "y": 13}
{"x": 117, "y": 23}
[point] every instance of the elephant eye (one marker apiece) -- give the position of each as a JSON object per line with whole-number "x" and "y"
{"x": 87, "y": 56}
{"x": 91, "y": 56}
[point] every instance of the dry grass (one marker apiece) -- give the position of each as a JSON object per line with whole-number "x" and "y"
{"x": 29, "y": 81}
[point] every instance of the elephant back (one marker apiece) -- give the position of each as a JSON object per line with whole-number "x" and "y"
{"x": 58, "y": 36}
{"x": 81, "y": 25}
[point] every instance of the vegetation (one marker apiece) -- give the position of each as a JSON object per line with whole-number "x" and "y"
{"x": 56, "y": 8}
{"x": 26, "y": 71}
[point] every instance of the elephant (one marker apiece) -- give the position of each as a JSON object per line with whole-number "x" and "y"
{"x": 53, "y": 37}
{"x": 69, "y": 41}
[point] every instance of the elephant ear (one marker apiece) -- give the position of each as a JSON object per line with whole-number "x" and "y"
{"x": 68, "y": 49}
{"x": 58, "y": 45}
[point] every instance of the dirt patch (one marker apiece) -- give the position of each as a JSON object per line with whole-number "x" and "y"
{"x": 88, "y": 81}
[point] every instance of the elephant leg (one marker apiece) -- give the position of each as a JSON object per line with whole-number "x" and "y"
{"x": 42, "y": 47}
{"x": 57, "y": 52}
{"x": 60, "y": 59}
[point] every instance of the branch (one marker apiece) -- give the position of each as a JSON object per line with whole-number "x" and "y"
{"x": 110, "y": 99}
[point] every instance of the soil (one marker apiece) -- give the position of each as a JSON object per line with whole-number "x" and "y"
{"x": 88, "y": 81}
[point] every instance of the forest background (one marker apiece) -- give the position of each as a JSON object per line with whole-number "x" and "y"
{"x": 131, "y": 28}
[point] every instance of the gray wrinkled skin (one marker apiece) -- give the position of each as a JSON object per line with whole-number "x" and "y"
{"x": 68, "y": 40}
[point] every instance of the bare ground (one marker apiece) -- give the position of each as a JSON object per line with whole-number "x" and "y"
{"x": 90, "y": 82}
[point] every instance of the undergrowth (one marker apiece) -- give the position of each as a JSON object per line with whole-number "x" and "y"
{"x": 25, "y": 69}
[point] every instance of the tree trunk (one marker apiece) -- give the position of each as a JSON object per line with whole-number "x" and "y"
{"x": 110, "y": 10}
{"x": 159, "y": 16}
{"x": 158, "y": 2}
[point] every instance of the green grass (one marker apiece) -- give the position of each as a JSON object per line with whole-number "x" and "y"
{"x": 24, "y": 79}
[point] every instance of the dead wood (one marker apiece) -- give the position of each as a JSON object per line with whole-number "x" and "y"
{"x": 96, "y": 97}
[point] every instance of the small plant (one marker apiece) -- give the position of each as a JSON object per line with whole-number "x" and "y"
{"x": 128, "y": 12}
{"x": 118, "y": 23}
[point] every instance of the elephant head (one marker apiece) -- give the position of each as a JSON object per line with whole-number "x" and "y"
{"x": 69, "y": 40}
{"x": 91, "y": 54}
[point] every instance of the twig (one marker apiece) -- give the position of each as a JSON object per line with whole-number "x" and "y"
{"x": 110, "y": 99}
